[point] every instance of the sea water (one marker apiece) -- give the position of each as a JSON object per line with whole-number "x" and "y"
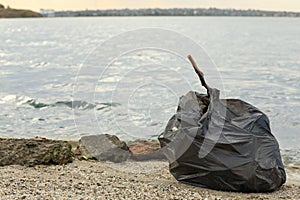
{"x": 49, "y": 66}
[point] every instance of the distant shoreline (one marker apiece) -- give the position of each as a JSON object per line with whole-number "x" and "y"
{"x": 149, "y": 12}
{"x": 18, "y": 13}
{"x": 169, "y": 13}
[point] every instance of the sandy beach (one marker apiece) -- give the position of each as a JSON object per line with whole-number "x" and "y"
{"x": 127, "y": 180}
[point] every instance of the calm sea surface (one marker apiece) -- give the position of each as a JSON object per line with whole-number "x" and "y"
{"x": 47, "y": 63}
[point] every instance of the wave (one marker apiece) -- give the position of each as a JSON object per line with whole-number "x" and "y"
{"x": 80, "y": 105}
{"x": 76, "y": 104}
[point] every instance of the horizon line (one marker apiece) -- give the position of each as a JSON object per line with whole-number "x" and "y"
{"x": 239, "y": 9}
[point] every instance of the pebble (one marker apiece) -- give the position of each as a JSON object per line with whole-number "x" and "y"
{"x": 96, "y": 180}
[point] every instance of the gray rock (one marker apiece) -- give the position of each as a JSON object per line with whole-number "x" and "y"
{"x": 31, "y": 152}
{"x": 106, "y": 147}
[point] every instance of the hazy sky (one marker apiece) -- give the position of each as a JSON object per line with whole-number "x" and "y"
{"x": 284, "y": 5}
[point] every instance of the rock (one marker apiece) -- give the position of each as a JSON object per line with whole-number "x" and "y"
{"x": 106, "y": 147}
{"x": 31, "y": 152}
{"x": 146, "y": 150}
{"x": 143, "y": 147}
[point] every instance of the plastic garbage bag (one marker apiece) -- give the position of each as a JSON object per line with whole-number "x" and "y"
{"x": 222, "y": 144}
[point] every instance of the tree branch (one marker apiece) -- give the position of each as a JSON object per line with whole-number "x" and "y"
{"x": 199, "y": 73}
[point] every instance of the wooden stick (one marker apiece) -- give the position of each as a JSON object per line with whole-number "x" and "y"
{"x": 198, "y": 72}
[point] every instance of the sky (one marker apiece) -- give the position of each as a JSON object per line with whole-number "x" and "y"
{"x": 36, "y": 5}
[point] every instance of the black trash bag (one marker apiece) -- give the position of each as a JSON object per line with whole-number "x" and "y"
{"x": 222, "y": 144}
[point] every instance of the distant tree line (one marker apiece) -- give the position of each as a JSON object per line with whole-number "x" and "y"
{"x": 176, "y": 12}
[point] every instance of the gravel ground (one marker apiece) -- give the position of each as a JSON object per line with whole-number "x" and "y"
{"x": 129, "y": 180}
